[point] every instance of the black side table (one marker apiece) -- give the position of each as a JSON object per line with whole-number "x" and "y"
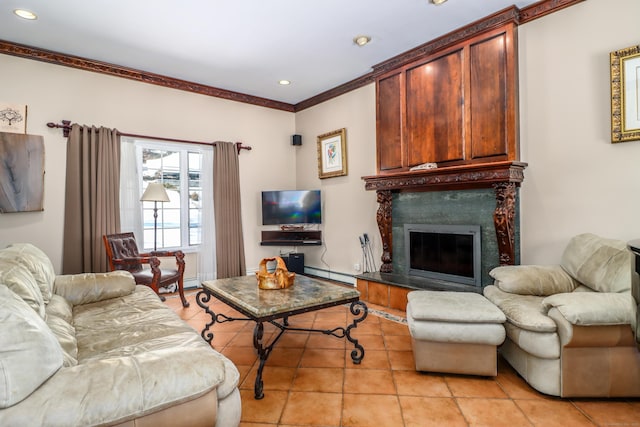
{"x": 634, "y": 245}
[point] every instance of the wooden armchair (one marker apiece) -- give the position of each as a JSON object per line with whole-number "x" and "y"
{"x": 123, "y": 254}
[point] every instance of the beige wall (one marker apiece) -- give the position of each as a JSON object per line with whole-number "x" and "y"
{"x": 53, "y": 93}
{"x": 577, "y": 181}
{"x": 348, "y": 210}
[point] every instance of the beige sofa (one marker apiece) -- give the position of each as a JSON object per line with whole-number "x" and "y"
{"x": 95, "y": 349}
{"x": 570, "y": 327}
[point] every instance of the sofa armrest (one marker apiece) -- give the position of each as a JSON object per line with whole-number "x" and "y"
{"x": 538, "y": 280}
{"x": 114, "y": 390}
{"x": 92, "y": 287}
{"x": 592, "y": 308}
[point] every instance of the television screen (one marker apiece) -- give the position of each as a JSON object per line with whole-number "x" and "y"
{"x": 291, "y": 207}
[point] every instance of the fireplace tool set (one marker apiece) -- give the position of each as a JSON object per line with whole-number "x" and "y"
{"x": 368, "y": 265}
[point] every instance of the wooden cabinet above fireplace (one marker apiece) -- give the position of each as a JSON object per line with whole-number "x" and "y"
{"x": 454, "y": 106}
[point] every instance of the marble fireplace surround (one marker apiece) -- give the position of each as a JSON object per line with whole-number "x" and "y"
{"x": 398, "y": 193}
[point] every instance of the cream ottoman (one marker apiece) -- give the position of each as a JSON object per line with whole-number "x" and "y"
{"x": 454, "y": 332}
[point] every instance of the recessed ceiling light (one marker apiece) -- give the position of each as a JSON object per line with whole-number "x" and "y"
{"x": 25, "y": 14}
{"x": 437, "y": 2}
{"x": 361, "y": 40}
{"x": 284, "y": 82}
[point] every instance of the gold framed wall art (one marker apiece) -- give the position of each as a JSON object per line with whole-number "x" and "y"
{"x": 625, "y": 94}
{"x": 332, "y": 154}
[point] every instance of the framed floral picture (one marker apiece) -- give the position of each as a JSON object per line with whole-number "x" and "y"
{"x": 625, "y": 94}
{"x": 13, "y": 118}
{"x": 332, "y": 154}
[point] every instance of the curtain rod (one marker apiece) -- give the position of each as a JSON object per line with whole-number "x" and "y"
{"x": 66, "y": 127}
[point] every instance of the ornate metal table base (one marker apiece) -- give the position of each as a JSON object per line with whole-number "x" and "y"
{"x": 357, "y": 308}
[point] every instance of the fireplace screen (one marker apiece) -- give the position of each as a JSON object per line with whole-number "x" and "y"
{"x": 449, "y": 253}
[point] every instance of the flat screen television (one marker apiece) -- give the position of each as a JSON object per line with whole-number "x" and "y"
{"x": 291, "y": 207}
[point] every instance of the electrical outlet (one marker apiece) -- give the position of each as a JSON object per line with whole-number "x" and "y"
{"x": 356, "y": 266}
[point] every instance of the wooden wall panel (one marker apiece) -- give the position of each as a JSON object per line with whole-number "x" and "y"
{"x": 435, "y": 127}
{"x": 389, "y": 123}
{"x": 488, "y": 98}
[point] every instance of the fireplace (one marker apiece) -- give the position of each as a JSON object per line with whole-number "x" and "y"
{"x": 443, "y": 252}
{"x": 484, "y": 194}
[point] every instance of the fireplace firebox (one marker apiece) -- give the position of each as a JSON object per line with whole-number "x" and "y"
{"x": 449, "y": 253}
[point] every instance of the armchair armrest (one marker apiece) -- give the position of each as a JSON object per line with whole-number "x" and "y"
{"x": 92, "y": 287}
{"x": 154, "y": 264}
{"x": 178, "y": 254}
{"x": 593, "y": 308}
{"x": 539, "y": 280}
{"x": 142, "y": 259}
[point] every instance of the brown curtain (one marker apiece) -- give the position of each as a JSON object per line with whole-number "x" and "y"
{"x": 92, "y": 197}
{"x": 226, "y": 203}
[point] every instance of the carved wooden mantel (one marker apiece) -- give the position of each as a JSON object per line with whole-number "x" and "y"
{"x": 504, "y": 177}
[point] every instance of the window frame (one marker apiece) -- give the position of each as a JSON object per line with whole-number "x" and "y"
{"x": 184, "y": 150}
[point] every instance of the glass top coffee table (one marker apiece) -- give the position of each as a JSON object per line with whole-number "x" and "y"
{"x": 276, "y": 306}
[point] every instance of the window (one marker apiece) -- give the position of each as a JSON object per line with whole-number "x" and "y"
{"x": 186, "y": 221}
{"x": 179, "y": 167}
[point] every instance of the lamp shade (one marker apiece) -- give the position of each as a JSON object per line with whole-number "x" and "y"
{"x": 155, "y": 192}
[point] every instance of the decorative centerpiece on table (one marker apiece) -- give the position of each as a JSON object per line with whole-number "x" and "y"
{"x": 280, "y": 278}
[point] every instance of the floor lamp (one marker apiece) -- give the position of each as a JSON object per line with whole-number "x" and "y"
{"x": 155, "y": 193}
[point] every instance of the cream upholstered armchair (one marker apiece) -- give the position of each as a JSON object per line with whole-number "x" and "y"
{"x": 570, "y": 327}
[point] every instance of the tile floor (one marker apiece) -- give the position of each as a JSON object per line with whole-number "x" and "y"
{"x": 309, "y": 380}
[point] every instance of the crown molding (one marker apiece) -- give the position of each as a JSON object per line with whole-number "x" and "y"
{"x": 335, "y": 92}
{"x": 543, "y": 8}
{"x": 505, "y": 16}
{"x": 85, "y": 64}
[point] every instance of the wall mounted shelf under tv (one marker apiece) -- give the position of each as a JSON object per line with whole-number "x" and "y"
{"x": 291, "y": 238}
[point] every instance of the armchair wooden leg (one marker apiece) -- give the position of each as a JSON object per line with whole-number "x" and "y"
{"x": 157, "y": 291}
{"x": 185, "y": 303}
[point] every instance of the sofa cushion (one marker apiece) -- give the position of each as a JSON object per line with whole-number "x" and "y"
{"x": 132, "y": 324}
{"x": 604, "y": 265}
{"x": 593, "y": 308}
{"x": 543, "y": 345}
{"x": 539, "y": 280}
{"x": 29, "y": 352}
{"x": 524, "y": 311}
{"x": 59, "y": 307}
{"x": 86, "y": 288}
{"x": 454, "y": 332}
{"x": 37, "y": 262}
{"x": 457, "y": 307}
{"x": 66, "y": 336}
{"x": 60, "y": 318}
{"x": 21, "y": 282}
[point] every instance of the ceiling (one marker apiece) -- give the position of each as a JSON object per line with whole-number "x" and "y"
{"x": 244, "y": 46}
